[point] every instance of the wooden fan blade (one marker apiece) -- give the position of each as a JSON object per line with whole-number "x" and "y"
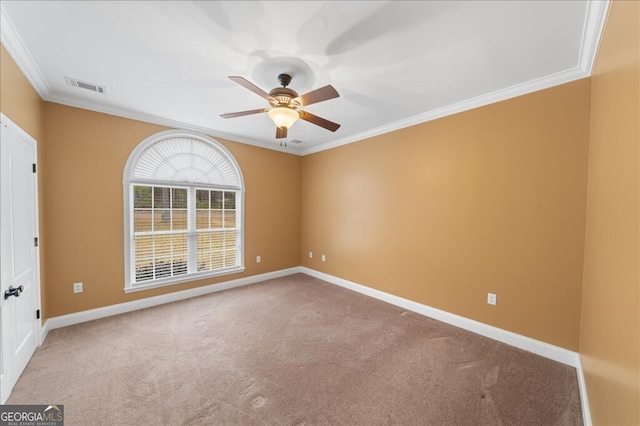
{"x": 319, "y": 121}
{"x": 241, "y": 113}
{"x": 281, "y": 132}
{"x": 249, "y": 85}
{"x": 322, "y": 94}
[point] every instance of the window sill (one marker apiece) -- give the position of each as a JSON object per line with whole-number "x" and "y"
{"x": 181, "y": 279}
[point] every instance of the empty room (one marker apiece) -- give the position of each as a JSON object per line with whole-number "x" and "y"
{"x": 320, "y": 212}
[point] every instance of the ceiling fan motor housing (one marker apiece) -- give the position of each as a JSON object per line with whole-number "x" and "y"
{"x": 284, "y": 97}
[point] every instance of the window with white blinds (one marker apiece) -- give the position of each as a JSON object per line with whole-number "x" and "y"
{"x": 183, "y": 211}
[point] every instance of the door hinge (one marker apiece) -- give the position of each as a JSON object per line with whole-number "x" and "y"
{"x": 34, "y": 167}
{"x": 38, "y": 314}
{"x": 35, "y": 241}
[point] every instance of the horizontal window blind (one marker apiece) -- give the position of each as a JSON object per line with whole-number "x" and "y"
{"x": 184, "y": 210}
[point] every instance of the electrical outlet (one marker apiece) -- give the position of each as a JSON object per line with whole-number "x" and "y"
{"x": 323, "y": 258}
{"x": 492, "y": 299}
{"x": 258, "y": 259}
{"x": 77, "y": 287}
{"x": 310, "y": 255}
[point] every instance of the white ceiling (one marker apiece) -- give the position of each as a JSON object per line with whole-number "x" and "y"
{"x": 395, "y": 63}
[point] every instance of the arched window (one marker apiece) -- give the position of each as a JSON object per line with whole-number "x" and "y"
{"x": 183, "y": 211}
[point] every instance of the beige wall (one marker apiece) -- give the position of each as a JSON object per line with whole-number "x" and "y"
{"x": 489, "y": 200}
{"x": 610, "y": 327}
{"x": 22, "y": 104}
{"x": 80, "y": 188}
{"x": 18, "y": 100}
{"x": 86, "y": 154}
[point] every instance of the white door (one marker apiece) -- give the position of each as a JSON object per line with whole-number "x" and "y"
{"x": 18, "y": 253}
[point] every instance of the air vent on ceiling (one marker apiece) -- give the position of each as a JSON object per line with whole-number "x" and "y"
{"x": 297, "y": 141}
{"x": 83, "y": 85}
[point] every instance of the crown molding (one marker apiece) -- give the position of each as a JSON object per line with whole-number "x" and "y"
{"x": 597, "y": 12}
{"x": 479, "y": 101}
{"x": 12, "y": 41}
{"x": 594, "y": 25}
{"x": 161, "y": 121}
{"x": 16, "y": 48}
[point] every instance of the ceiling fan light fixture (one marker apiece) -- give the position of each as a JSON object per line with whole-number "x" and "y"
{"x": 283, "y": 116}
{"x": 284, "y": 103}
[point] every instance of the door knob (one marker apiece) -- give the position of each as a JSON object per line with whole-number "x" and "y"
{"x": 13, "y": 292}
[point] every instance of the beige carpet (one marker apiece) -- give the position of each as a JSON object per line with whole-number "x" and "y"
{"x": 291, "y": 351}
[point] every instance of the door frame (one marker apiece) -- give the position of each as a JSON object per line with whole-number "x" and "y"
{"x": 5, "y": 121}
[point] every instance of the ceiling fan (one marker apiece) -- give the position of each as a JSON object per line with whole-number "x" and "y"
{"x": 285, "y": 103}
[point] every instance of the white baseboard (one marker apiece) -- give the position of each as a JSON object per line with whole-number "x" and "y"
{"x": 528, "y": 344}
{"x": 537, "y": 347}
{"x": 546, "y": 350}
{"x": 586, "y": 412}
{"x": 44, "y": 331}
{"x": 121, "y": 308}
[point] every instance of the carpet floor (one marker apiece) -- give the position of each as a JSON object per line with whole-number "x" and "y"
{"x": 291, "y": 351}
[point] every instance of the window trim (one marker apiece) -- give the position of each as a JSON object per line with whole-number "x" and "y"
{"x": 128, "y": 182}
